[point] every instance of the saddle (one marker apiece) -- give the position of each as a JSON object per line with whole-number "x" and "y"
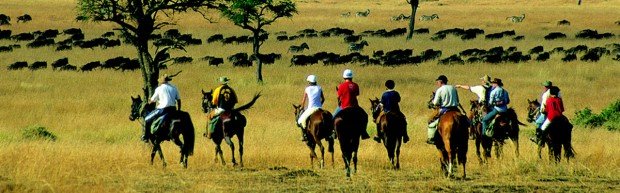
{"x": 163, "y": 124}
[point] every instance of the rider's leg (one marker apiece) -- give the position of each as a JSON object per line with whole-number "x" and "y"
{"x": 147, "y": 123}
{"x": 487, "y": 119}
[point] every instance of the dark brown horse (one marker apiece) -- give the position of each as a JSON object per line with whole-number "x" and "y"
{"x": 557, "y": 136}
{"x": 506, "y": 126}
{"x": 349, "y": 124}
{"x": 392, "y": 125}
{"x": 451, "y": 140}
{"x": 180, "y": 124}
{"x": 320, "y": 125}
{"x": 226, "y": 128}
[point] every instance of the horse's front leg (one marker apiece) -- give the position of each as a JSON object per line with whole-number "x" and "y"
{"x": 322, "y": 149}
{"x": 240, "y": 138}
{"x": 398, "y": 143}
{"x": 232, "y": 149}
{"x": 355, "y": 161}
{"x": 219, "y": 153}
{"x": 161, "y": 154}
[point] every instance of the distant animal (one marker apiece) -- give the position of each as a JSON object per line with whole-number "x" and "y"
{"x": 320, "y": 125}
{"x": 230, "y": 124}
{"x": 356, "y": 47}
{"x": 429, "y": 17}
{"x": 401, "y": 17}
{"x": 177, "y": 123}
{"x": 617, "y": 22}
{"x": 516, "y": 19}
{"x": 38, "y": 65}
{"x": 60, "y": 63}
{"x": 297, "y": 49}
{"x": 5, "y": 19}
{"x": 555, "y": 35}
{"x": 24, "y": 18}
{"x": 563, "y": 22}
{"x": 18, "y": 66}
{"x": 363, "y": 13}
{"x": 347, "y": 14}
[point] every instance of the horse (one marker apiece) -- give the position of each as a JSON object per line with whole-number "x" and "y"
{"x": 558, "y": 134}
{"x": 320, "y": 125}
{"x": 349, "y": 123}
{"x": 506, "y": 126}
{"x": 225, "y": 129}
{"x": 180, "y": 124}
{"x": 453, "y": 136}
{"x": 392, "y": 126}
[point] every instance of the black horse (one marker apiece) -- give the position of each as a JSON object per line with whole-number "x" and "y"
{"x": 506, "y": 126}
{"x": 558, "y": 134}
{"x": 178, "y": 123}
{"x": 349, "y": 124}
{"x": 393, "y": 126}
{"x": 226, "y": 128}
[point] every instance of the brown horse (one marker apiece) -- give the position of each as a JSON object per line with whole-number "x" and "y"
{"x": 180, "y": 124}
{"x": 558, "y": 134}
{"x": 392, "y": 126}
{"x": 348, "y": 124}
{"x": 506, "y": 126}
{"x": 228, "y": 127}
{"x": 451, "y": 139}
{"x": 320, "y": 125}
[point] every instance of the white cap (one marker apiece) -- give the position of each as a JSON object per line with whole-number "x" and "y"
{"x": 347, "y": 74}
{"x": 311, "y": 78}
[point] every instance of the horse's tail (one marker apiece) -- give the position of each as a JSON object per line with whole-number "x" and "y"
{"x": 189, "y": 136}
{"x": 247, "y": 106}
{"x": 514, "y": 116}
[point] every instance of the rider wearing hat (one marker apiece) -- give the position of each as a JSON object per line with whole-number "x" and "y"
{"x": 167, "y": 97}
{"x": 498, "y": 100}
{"x": 313, "y": 94}
{"x": 447, "y": 98}
{"x": 347, "y": 96}
{"x": 224, "y": 98}
{"x": 547, "y": 86}
{"x": 482, "y": 91}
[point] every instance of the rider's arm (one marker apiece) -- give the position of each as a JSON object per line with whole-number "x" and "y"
{"x": 303, "y": 100}
{"x": 322, "y": 98}
{"x": 179, "y": 104}
{"x": 466, "y": 87}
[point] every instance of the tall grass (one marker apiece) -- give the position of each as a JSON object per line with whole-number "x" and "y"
{"x": 98, "y": 148}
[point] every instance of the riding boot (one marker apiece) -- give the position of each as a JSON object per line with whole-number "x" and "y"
{"x": 538, "y": 137}
{"x": 146, "y": 135}
{"x": 304, "y": 135}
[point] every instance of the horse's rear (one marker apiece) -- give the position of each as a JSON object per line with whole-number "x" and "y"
{"x": 348, "y": 125}
{"x": 559, "y": 135}
{"x": 393, "y": 126}
{"x": 453, "y": 131}
{"x": 320, "y": 126}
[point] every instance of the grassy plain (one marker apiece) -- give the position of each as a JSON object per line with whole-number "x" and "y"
{"x": 98, "y": 149}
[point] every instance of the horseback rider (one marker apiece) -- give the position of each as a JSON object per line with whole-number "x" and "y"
{"x": 347, "y": 96}
{"x": 389, "y": 101}
{"x": 314, "y": 95}
{"x": 167, "y": 97}
{"x": 498, "y": 100}
{"x": 482, "y": 91}
{"x": 554, "y": 109}
{"x": 447, "y": 98}
{"x": 224, "y": 98}
{"x": 547, "y": 86}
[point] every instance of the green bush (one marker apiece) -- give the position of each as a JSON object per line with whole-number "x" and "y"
{"x": 38, "y": 132}
{"x": 609, "y": 117}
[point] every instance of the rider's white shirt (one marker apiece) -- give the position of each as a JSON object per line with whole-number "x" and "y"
{"x": 166, "y": 95}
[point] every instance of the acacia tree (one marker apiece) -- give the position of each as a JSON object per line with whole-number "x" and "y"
{"x": 138, "y": 20}
{"x": 253, "y": 15}
{"x": 414, "y": 7}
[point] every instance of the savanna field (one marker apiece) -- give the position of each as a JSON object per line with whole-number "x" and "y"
{"x": 99, "y": 150}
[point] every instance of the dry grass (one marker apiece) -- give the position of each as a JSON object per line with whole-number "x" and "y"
{"x": 98, "y": 148}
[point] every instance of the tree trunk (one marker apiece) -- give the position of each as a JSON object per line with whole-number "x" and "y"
{"x": 256, "y": 49}
{"x": 579, "y": 3}
{"x": 150, "y": 71}
{"x": 414, "y": 7}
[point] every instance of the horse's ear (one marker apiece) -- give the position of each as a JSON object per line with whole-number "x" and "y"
{"x": 203, "y": 91}
{"x": 529, "y": 101}
{"x": 138, "y": 97}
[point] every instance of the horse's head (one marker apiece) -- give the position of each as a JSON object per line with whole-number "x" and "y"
{"x": 136, "y": 105}
{"x": 298, "y": 110}
{"x": 375, "y": 107}
{"x": 430, "y": 104}
{"x": 206, "y": 101}
{"x": 533, "y": 110}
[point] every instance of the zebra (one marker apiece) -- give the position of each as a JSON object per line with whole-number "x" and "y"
{"x": 516, "y": 19}
{"x": 356, "y": 47}
{"x": 297, "y": 49}
{"x": 401, "y": 17}
{"x": 347, "y": 14}
{"x": 363, "y": 14}
{"x": 429, "y": 17}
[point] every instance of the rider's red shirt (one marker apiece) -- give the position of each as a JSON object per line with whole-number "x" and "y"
{"x": 555, "y": 107}
{"x": 347, "y": 94}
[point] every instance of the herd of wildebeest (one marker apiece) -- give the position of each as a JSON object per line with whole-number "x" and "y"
{"x": 354, "y": 43}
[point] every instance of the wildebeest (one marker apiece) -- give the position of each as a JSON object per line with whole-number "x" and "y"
{"x": 352, "y": 38}
{"x": 518, "y": 38}
{"x": 24, "y": 18}
{"x": 6, "y": 48}
{"x": 555, "y": 35}
{"x": 569, "y": 57}
{"x": 60, "y": 63}
{"x": 537, "y": 49}
{"x": 215, "y": 38}
{"x": 454, "y": 59}
{"x": 543, "y": 57}
{"x": 303, "y": 60}
{"x": 213, "y": 61}
{"x": 18, "y": 65}
{"x": 38, "y": 65}
{"x": 563, "y": 22}
{"x": 5, "y": 19}
{"x": 297, "y": 49}
{"x": 182, "y": 60}
{"x": 5, "y": 34}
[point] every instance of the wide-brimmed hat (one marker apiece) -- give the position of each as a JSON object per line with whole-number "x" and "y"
{"x": 311, "y": 78}
{"x": 348, "y": 73}
{"x": 497, "y": 81}
{"x": 223, "y": 79}
{"x": 163, "y": 79}
{"x": 486, "y": 78}
{"x": 547, "y": 83}
{"x": 443, "y": 78}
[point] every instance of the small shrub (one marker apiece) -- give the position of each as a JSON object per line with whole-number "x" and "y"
{"x": 38, "y": 132}
{"x": 586, "y": 118}
{"x": 609, "y": 117}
